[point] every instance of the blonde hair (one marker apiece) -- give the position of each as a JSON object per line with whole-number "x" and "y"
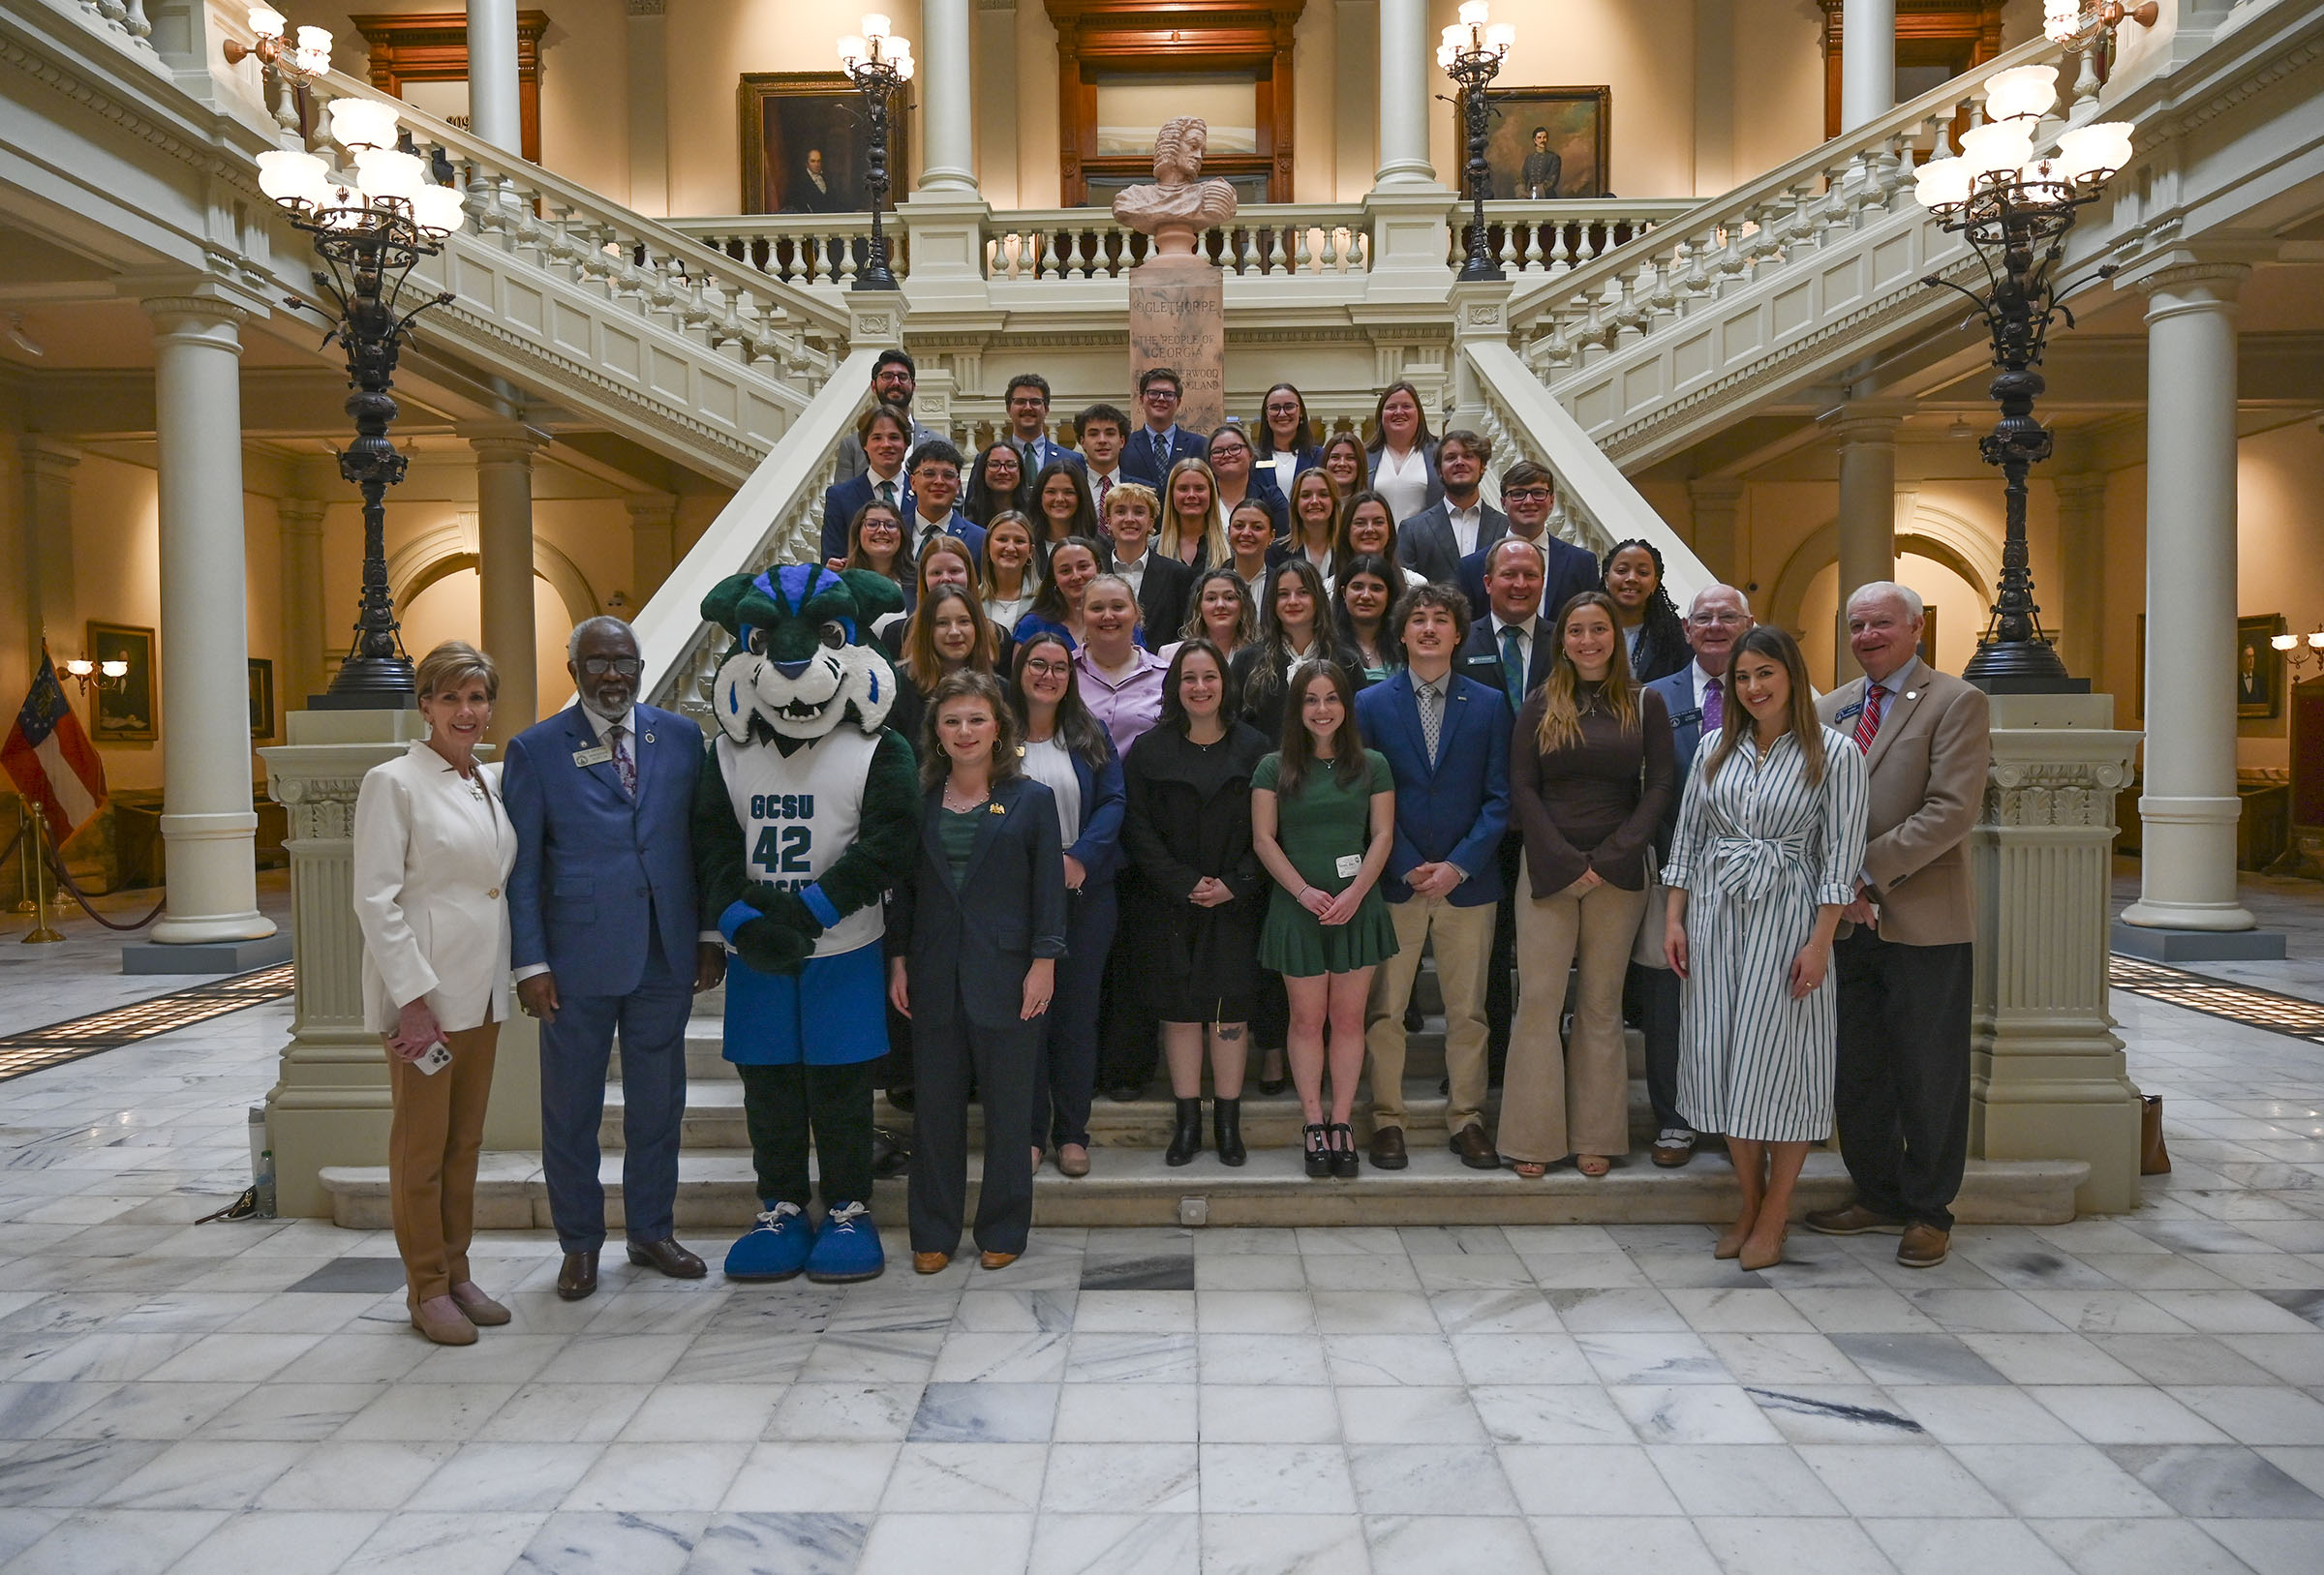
{"x": 454, "y": 663}
{"x": 1133, "y": 491}
{"x": 1561, "y": 690}
{"x": 1167, "y": 538}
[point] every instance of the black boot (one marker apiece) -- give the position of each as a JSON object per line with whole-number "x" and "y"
{"x": 1226, "y": 1119}
{"x": 1186, "y": 1138}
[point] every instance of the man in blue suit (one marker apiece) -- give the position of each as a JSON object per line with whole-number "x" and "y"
{"x": 1160, "y": 444}
{"x": 1716, "y": 620}
{"x": 602, "y": 914}
{"x": 1027, "y": 398}
{"x": 1530, "y": 493}
{"x": 928, "y": 512}
{"x": 881, "y": 432}
{"x": 1446, "y": 738}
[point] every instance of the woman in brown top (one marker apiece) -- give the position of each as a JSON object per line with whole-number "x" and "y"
{"x": 1591, "y": 770}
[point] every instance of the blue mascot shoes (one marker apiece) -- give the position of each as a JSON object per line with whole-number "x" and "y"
{"x": 776, "y": 1247}
{"x": 848, "y": 1247}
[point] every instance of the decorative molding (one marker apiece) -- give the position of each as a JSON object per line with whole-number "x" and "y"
{"x": 2054, "y": 793}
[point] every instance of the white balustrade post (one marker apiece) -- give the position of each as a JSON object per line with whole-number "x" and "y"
{"x": 504, "y": 565}
{"x": 1867, "y": 510}
{"x": 2189, "y": 808}
{"x": 946, "y": 80}
{"x": 208, "y": 825}
{"x": 1867, "y": 61}
{"x": 495, "y": 111}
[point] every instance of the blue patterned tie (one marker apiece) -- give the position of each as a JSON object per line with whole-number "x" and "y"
{"x": 1512, "y": 664}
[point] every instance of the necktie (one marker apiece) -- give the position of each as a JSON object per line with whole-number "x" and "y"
{"x": 624, "y": 763}
{"x": 887, "y": 492}
{"x": 1868, "y": 720}
{"x": 1431, "y": 719}
{"x": 1512, "y": 664}
{"x": 1105, "y": 485}
{"x": 1714, "y": 705}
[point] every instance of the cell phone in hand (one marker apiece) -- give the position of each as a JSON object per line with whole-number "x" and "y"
{"x": 435, "y": 1058}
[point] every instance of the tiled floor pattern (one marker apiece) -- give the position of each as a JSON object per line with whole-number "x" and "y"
{"x": 2110, "y": 1397}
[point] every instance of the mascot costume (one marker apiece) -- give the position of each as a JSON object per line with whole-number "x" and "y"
{"x": 810, "y": 811}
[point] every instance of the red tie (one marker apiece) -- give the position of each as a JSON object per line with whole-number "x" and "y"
{"x": 1868, "y": 720}
{"x": 1105, "y": 485}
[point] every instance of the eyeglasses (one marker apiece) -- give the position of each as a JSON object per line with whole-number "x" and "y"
{"x": 1282, "y": 409}
{"x": 1036, "y": 667}
{"x": 596, "y": 667}
{"x": 1723, "y": 621}
{"x": 1533, "y": 495}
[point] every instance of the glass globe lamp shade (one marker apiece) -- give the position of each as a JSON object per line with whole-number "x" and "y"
{"x": 2061, "y": 19}
{"x": 1941, "y": 183}
{"x": 851, "y": 51}
{"x": 289, "y": 176}
{"x": 266, "y": 22}
{"x": 362, "y": 123}
{"x": 905, "y": 69}
{"x": 1475, "y": 13}
{"x": 1499, "y": 37}
{"x": 2095, "y": 151}
{"x": 439, "y": 209}
{"x": 313, "y": 50}
{"x": 80, "y": 667}
{"x": 2315, "y": 641}
{"x": 875, "y": 26}
{"x": 114, "y": 669}
{"x": 1998, "y": 147}
{"x": 2021, "y": 92}
{"x": 384, "y": 175}
{"x": 2283, "y": 642}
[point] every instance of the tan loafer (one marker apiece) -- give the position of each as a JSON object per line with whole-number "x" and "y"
{"x": 476, "y": 1306}
{"x": 929, "y": 1262}
{"x": 1924, "y": 1247}
{"x": 1073, "y": 1160}
{"x": 454, "y": 1330}
{"x": 996, "y": 1260}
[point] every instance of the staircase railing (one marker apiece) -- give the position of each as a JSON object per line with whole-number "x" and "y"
{"x": 775, "y": 517}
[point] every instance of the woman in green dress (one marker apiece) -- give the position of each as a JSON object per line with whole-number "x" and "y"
{"x": 1322, "y": 816}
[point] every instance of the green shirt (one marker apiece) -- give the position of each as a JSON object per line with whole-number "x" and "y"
{"x": 956, "y": 830}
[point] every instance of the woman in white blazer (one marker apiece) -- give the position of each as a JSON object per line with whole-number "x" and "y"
{"x": 433, "y": 851}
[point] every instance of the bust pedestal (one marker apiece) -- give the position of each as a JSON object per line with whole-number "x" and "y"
{"x": 1179, "y": 319}
{"x": 2047, "y": 1078}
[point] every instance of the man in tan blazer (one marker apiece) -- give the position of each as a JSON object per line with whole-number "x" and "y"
{"x": 1903, "y": 961}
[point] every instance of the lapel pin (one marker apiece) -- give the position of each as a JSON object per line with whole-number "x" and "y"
{"x": 995, "y": 809}
{"x": 1912, "y": 694}
{"x": 649, "y": 738}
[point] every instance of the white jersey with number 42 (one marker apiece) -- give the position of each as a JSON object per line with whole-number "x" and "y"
{"x": 799, "y": 814}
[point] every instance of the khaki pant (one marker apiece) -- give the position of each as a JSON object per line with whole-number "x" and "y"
{"x": 1557, "y": 1099}
{"x": 432, "y": 1148}
{"x": 1464, "y": 947}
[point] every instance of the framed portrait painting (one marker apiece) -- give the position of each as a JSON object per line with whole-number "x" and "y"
{"x": 803, "y": 143}
{"x": 1546, "y": 141}
{"x": 128, "y": 711}
{"x": 2258, "y": 667}
{"x": 261, "y": 699}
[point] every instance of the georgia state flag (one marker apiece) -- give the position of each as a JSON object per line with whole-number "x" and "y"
{"x": 51, "y": 759}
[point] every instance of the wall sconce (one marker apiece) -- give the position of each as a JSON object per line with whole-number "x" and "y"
{"x": 2076, "y": 22}
{"x": 2301, "y": 649}
{"x": 97, "y": 674}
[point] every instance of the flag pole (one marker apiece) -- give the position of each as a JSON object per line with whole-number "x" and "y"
{"x": 24, "y": 842}
{"x": 42, "y": 932}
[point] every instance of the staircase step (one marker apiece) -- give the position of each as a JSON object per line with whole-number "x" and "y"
{"x": 716, "y": 1192}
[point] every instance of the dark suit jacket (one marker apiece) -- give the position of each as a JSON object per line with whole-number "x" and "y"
{"x": 841, "y": 501}
{"x": 1045, "y": 453}
{"x": 968, "y": 950}
{"x": 1436, "y": 483}
{"x": 1163, "y": 588}
{"x": 962, "y": 526}
{"x": 1426, "y": 541}
{"x": 1677, "y": 690}
{"x": 1144, "y": 459}
{"x": 849, "y": 459}
{"x": 591, "y": 863}
{"x": 1571, "y": 572}
{"x": 1479, "y": 658}
{"x": 1457, "y": 808}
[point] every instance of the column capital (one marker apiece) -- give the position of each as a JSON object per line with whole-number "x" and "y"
{"x": 198, "y": 312}
{"x": 503, "y": 443}
{"x": 1855, "y": 426}
{"x": 2198, "y": 283}
{"x": 1716, "y": 492}
{"x": 46, "y": 457}
{"x": 651, "y": 510}
{"x": 2086, "y": 489}
{"x": 300, "y": 516}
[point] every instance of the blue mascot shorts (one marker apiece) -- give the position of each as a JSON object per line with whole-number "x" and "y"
{"x": 831, "y": 1014}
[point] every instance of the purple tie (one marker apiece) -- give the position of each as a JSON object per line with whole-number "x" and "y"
{"x": 622, "y": 762}
{"x": 1714, "y": 705}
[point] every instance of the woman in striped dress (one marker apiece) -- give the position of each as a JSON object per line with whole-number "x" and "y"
{"x": 1770, "y": 838}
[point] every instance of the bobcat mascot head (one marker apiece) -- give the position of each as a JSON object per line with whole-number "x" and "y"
{"x": 803, "y": 660}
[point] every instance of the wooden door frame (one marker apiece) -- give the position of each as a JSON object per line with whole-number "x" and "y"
{"x": 1975, "y": 22}
{"x": 432, "y": 46}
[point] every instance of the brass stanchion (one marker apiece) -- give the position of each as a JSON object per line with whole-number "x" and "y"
{"x": 24, "y": 902}
{"x": 42, "y": 932}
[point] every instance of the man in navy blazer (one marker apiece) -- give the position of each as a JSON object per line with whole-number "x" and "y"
{"x": 1716, "y": 620}
{"x": 1459, "y": 521}
{"x": 1028, "y": 399}
{"x": 1446, "y": 738}
{"x": 928, "y": 510}
{"x": 602, "y": 921}
{"x": 880, "y": 435}
{"x": 1159, "y": 444}
{"x": 1568, "y": 570}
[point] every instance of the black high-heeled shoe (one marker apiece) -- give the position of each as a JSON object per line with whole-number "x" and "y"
{"x": 1318, "y": 1152}
{"x": 1186, "y": 1138}
{"x": 1345, "y": 1162}
{"x": 1226, "y": 1125}
{"x": 1272, "y": 1085}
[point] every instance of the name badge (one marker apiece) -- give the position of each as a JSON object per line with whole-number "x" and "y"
{"x": 599, "y": 757}
{"x": 1686, "y": 718}
{"x": 1349, "y": 864}
{"x": 1846, "y": 711}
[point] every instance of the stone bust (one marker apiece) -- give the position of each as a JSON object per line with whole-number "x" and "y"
{"x": 1179, "y": 204}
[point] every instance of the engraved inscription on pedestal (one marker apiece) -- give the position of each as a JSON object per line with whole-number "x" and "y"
{"x": 1177, "y": 303}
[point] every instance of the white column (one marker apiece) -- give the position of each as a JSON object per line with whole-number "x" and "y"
{"x": 1718, "y": 507}
{"x": 1867, "y": 61}
{"x": 51, "y": 605}
{"x": 300, "y": 520}
{"x": 505, "y": 566}
{"x": 648, "y": 107}
{"x": 2082, "y": 571}
{"x": 947, "y": 124}
{"x": 208, "y": 826}
{"x": 1867, "y": 511}
{"x": 1405, "y": 55}
{"x": 652, "y": 544}
{"x": 2189, "y": 808}
{"x": 494, "y": 111}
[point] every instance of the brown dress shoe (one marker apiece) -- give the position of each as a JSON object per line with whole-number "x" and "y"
{"x": 1476, "y": 1149}
{"x": 1855, "y": 1220}
{"x": 1924, "y": 1247}
{"x": 578, "y": 1278}
{"x": 929, "y": 1262}
{"x": 996, "y": 1260}
{"x": 478, "y": 1307}
{"x": 1387, "y": 1149}
{"x": 454, "y": 1330}
{"x": 1073, "y": 1160}
{"x": 668, "y": 1257}
{"x": 1672, "y": 1148}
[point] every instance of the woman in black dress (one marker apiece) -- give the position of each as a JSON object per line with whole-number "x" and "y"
{"x": 1198, "y": 907}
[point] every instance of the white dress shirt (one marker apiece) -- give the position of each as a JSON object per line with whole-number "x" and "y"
{"x": 1134, "y": 570}
{"x": 1466, "y": 523}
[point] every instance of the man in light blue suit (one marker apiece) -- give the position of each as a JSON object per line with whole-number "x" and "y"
{"x": 604, "y": 935}
{"x": 1716, "y": 620}
{"x": 1447, "y": 740}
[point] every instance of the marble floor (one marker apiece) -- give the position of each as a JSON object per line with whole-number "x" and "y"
{"x": 2111, "y": 1396}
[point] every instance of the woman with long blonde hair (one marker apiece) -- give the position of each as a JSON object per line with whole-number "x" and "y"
{"x": 1193, "y": 531}
{"x": 1591, "y": 769}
